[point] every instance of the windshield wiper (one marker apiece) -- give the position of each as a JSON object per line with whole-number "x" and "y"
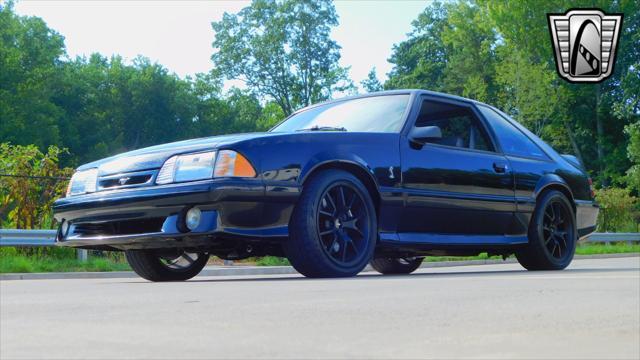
{"x": 323, "y": 128}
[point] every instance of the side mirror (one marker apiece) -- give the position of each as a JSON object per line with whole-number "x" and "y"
{"x": 423, "y": 134}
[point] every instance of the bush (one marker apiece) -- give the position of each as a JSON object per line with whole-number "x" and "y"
{"x": 29, "y": 183}
{"x": 618, "y": 210}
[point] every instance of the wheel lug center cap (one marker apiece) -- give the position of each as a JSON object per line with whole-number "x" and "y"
{"x": 337, "y": 223}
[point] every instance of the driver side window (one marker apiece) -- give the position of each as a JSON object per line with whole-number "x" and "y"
{"x": 459, "y": 126}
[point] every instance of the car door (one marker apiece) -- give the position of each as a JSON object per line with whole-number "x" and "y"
{"x": 459, "y": 183}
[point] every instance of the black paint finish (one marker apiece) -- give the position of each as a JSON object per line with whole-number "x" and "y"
{"x": 430, "y": 199}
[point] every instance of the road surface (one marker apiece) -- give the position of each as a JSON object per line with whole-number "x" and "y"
{"x": 591, "y": 310}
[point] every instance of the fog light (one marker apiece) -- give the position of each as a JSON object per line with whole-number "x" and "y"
{"x": 64, "y": 228}
{"x": 192, "y": 219}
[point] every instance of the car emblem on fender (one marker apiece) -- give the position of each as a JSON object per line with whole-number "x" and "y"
{"x": 584, "y": 42}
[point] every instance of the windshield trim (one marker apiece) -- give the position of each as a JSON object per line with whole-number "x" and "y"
{"x": 404, "y": 116}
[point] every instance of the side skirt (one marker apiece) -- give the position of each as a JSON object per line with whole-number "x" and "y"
{"x": 443, "y": 240}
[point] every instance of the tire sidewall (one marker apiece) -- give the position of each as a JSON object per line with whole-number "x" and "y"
{"x": 147, "y": 264}
{"x": 536, "y": 229}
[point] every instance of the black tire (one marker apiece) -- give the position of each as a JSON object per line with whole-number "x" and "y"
{"x": 332, "y": 237}
{"x": 395, "y": 266}
{"x": 552, "y": 234}
{"x": 154, "y": 265}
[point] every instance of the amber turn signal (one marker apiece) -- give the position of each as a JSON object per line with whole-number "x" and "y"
{"x": 232, "y": 164}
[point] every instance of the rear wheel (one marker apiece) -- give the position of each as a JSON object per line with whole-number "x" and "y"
{"x": 392, "y": 266}
{"x": 166, "y": 265}
{"x": 552, "y": 234}
{"x": 333, "y": 229}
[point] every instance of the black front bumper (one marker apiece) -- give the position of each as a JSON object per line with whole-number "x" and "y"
{"x": 150, "y": 217}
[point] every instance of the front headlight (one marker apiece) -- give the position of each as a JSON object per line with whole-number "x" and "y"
{"x": 83, "y": 182}
{"x": 200, "y": 166}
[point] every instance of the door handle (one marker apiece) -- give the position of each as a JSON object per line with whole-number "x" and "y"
{"x": 500, "y": 167}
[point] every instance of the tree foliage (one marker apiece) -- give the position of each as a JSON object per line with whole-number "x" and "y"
{"x": 371, "y": 83}
{"x": 97, "y": 106}
{"x": 494, "y": 51}
{"x": 26, "y": 200}
{"x": 282, "y": 50}
{"x": 499, "y": 52}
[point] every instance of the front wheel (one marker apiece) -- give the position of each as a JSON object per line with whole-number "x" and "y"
{"x": 552, "y": 234}
{"x": 333, "y": 229}
{"x": 395, "y": 266}
{"x": 166, "y": 265}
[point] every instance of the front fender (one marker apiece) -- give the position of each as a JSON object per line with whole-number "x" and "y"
{"x": 337, "y": 157}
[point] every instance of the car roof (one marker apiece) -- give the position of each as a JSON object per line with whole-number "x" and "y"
{"x": 391, "y": 92}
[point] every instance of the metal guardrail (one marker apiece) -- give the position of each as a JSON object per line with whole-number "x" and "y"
{"x": 613, "y": 237}
{"x": 11, "y": 237}
{"x": 26, "y": 238}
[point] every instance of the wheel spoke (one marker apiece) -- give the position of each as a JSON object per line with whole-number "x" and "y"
{"x": 352, "y": 201}
{"x": 327, "y": 232}
{"x": 559, "y": 251}
{"x": 333, "y": 204}
{"x": 344, "y": 250}
{"x": 343, "y": 200}
{"x": 333, "y": 242}
{"x": 546, "y": 241}
{"x": 350, "y": 224}
{"x": 188, "y": 258}
{"x": 563, "y": 236}
{"x": 355, "y": 248}
{"x": 325, "y": 213}
{"x": 557, "y": 213}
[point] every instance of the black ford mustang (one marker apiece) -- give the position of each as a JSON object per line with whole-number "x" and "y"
{"x": 386, "y": 178}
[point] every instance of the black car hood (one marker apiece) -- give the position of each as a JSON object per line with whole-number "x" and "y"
{"x": 153, "y": 157}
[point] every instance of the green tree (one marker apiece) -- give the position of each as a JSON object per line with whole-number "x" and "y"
{"x": 30, "y": 55}
{"x": 633, "y": 151}
{"x": 271, "y": 115}
{"x": 420, "y": 61}
{"x": 499, "y": 52}
{"x": 282, "y": 50}
{"x": 371, "y": 83}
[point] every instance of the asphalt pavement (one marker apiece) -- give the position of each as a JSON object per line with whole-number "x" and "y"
{"x": 590, "y": 310}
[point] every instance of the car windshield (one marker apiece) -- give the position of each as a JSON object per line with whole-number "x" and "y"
{"x": 368, "y": 114}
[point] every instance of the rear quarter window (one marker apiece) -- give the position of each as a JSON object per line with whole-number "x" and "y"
{"x": 513, "y": 141}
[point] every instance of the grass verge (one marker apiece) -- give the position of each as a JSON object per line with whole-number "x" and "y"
{"x": 28, "y": 264}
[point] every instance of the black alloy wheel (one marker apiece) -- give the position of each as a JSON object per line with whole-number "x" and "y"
{"x": 556, "y": 229}
{"x": 339, "y": 218}
{"x": 166, "y": 265}
{"x": 333, "y": 229}
{"x": 552, "y": 234}
{"x": 395, "y": 266}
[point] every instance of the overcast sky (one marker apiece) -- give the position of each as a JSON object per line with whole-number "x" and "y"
{"x": 178, "y": 34}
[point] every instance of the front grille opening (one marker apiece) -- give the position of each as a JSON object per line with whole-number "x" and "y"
{"x": 124, "y": 227}
{"x": 124, "y": 181}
